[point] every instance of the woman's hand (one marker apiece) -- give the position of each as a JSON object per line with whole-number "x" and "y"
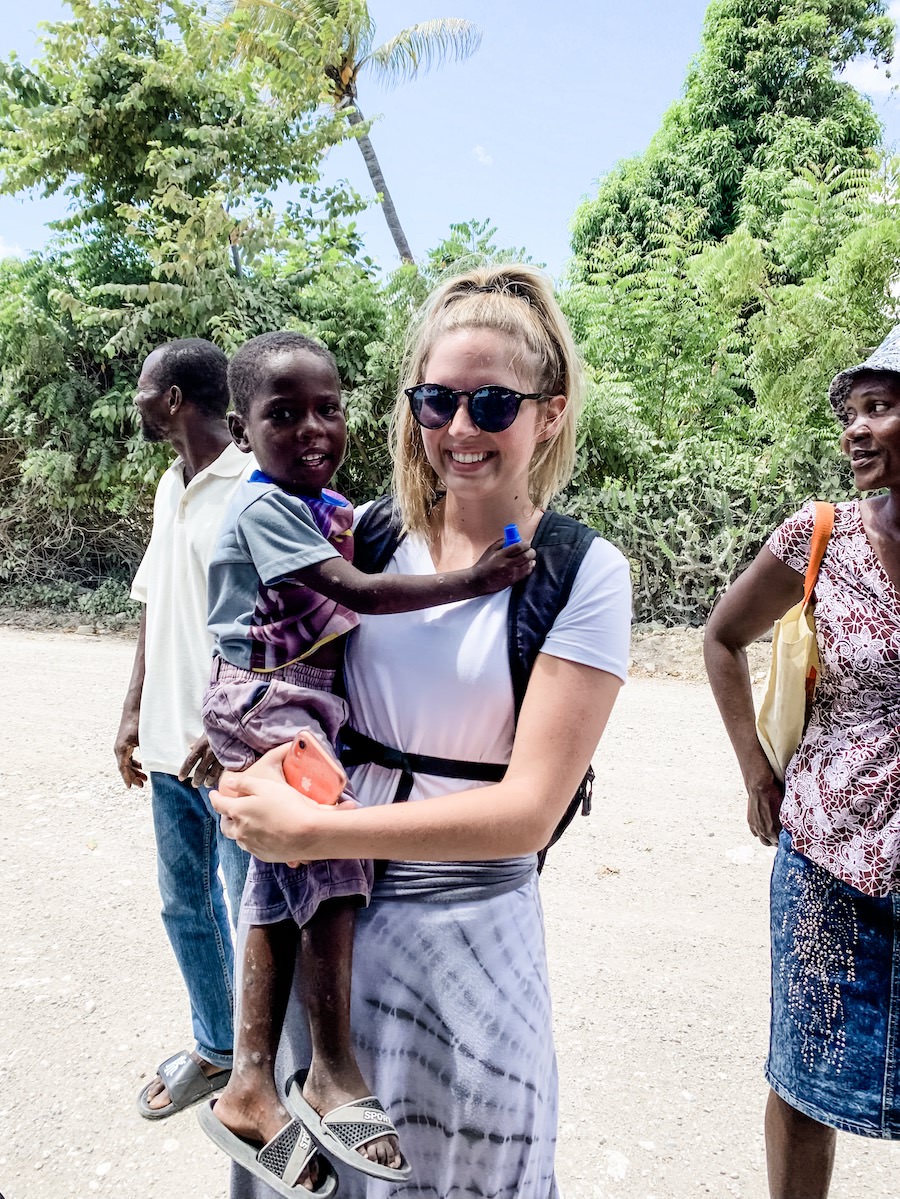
{"x": 763, "y": 808}
{"x": 751, "y": 605}
{"x": 262, "y": 812}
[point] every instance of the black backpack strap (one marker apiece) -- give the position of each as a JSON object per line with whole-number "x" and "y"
{"x": 357, "y": 748}
{"x": 561, "y": 544}
{"x": 537, "y": 600}
{"x": 376, "y": 535}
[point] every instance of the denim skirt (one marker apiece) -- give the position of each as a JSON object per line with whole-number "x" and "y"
{"x": 834, "y": 1048}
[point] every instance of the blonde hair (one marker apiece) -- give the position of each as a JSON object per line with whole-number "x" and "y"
{"x": 516, "y": 300}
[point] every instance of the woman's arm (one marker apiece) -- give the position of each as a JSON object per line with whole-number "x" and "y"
{"x": 757, "y": 598}
{"x": 564, "y": 713}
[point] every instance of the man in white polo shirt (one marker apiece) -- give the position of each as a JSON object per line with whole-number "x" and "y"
{"x": 182, "y": 398}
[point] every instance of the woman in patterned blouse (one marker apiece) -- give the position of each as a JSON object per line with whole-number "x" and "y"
{"x": 834, "y": 1058}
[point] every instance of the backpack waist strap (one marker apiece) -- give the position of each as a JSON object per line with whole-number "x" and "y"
{"x": 356, "y": 748}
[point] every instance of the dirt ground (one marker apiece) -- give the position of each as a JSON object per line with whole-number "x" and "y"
{"x": 656, "y": 923}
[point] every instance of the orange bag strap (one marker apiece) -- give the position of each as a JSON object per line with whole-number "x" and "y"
{"x": 821, "y": 533}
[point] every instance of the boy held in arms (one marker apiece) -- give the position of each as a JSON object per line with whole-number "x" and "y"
{"x": 282, "y": 595}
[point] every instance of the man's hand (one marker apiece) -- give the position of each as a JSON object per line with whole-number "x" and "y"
{"x": 201, "y": 766}
{"x": 126, "y": 744}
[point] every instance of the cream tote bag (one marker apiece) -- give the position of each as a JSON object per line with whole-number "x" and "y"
{"x": 795, "y": 662}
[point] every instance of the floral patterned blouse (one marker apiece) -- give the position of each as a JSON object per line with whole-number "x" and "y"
{"x": 842, "y": 787}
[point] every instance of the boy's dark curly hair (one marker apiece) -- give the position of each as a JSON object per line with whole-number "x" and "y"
{"x": 248, "y": 366}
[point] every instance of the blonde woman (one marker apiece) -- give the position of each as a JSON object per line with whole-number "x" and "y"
{"x": 450, "y": 1001}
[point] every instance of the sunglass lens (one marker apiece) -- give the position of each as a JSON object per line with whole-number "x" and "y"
{"x": 494, "y": 409}
{"x": 431, "y": 406}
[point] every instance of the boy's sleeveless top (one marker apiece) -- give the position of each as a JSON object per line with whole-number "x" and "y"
{"x": 535, "y": 603}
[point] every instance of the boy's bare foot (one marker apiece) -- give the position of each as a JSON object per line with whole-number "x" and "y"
{"x": 326, "y": 1091}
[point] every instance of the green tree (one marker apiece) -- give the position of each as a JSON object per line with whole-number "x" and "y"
{"x": 761, "y": 100}
{"x": 344, "y": 32}
{"x": 132, "y": 97}
{"x": 719, "y": 280}
{"x": 709, "y": 421}
{"x": 167, "y": 156}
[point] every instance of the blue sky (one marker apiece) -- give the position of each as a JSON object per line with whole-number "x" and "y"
{"x": 519, "y": 134}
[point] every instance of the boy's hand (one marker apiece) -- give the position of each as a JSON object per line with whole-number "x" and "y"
{"x": 502, "y": 565}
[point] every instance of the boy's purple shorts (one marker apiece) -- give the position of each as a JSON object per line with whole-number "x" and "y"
{"x": 245, "y": 713}
{"x": 274, "y": 892}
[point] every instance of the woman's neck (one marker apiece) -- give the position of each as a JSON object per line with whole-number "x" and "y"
{"x": 461, "y": 532}
{"x": 881, "y": 514}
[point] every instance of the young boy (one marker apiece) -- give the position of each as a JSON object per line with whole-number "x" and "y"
{"x": 278, "y": 585}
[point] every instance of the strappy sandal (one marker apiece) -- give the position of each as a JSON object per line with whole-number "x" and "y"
{"x": 280, "y": 1162}
{"x": 344, "y": 1130}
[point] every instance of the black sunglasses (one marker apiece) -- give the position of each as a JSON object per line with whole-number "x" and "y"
{"x": 491, "y": 408}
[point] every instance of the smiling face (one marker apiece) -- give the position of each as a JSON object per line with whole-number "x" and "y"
{"x": 871, "y": 437}
{"x": 471, "y": 463}
{"x": 294, "y": 423}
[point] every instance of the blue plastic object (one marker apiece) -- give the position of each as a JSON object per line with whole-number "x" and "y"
{"x": 511, "y": 535}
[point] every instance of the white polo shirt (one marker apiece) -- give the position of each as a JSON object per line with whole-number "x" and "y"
{"x": 171, "y": 581}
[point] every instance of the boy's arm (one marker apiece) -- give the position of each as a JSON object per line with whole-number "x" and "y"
{"x": 498, "y": 567}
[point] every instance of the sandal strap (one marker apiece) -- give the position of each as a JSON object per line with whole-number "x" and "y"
{"x": 183, "y": 1079}
{"x": 288, "y": 1152}
{"x": 358, "y": 1123}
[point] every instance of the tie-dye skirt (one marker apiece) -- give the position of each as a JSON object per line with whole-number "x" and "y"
{"x": 452, "y": 1022}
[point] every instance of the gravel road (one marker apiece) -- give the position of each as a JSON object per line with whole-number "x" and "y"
{"x": 656, "y": 922}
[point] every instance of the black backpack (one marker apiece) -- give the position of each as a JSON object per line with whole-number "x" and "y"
{"x": 536, "y": 601}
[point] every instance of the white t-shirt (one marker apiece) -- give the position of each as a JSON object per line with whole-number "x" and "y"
{"x": 171, "y": 581}
{"x": 437, "y": 681}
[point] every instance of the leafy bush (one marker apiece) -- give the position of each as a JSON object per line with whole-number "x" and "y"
{"x": 698, "y": 515}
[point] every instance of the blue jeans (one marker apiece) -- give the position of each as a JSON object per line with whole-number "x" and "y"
{"x": 190, "y": 847}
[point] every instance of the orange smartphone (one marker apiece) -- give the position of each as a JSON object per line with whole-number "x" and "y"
{"x": 310, "y": 768}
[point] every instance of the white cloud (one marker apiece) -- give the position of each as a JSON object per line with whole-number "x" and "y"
{"x": 868, "y": 78}
{"x": 481, "y": 156}
{"x": 10, "y": 251}
{"x": 872, "y": 80}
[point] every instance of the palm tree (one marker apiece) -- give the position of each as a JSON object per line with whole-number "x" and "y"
{"x": 344, "y": 33}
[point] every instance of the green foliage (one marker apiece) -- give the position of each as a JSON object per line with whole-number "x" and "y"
{"x": 108, "y": 603}
{"x": 711, "y": 364}
{"x": 643, "y": 320}
{"x": 761, "y": 101}
{"x": 134, "y": 96}
{"x": 698, "y": 513}
{"x": 167, "y": 147}
{"x": 719, "y": 281}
